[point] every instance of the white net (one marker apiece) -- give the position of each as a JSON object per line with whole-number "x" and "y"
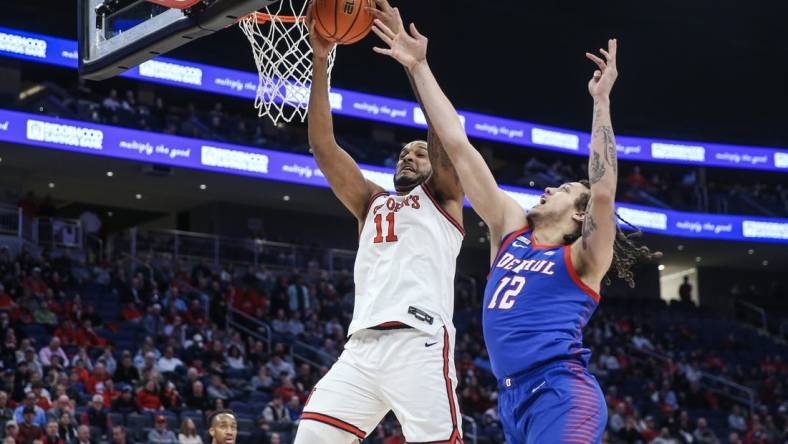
{"x": 280, "y": 44}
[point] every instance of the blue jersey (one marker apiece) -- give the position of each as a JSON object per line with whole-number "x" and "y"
{"x": 535, "y": 306}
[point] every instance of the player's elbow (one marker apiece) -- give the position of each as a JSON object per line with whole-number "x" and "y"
{"x": 603, "y": 195}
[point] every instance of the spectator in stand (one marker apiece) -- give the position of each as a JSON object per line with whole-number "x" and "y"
{"x": 67, "y": 428}
{"x": 235, "y": 359}
{"x": 62, "y": 405}
{"x": 736, "y": 420}
{"x": 108, "y": 360}
{"x": 294, "y": 408}
{"x": 111, "y": 103}
{"x": 84, "y": 436}
{"x": 87, "y": 336}
{"x": 148, "y": 397}
{"x": 96, "y": 381}
{"x": 39, "y": 418}
{"x": 12, "y": 431}
{"x": 119, "y": 436}
{"x": 52, "y": 434}
{"x": 125, "y": 403}
{"x": 262, "y": 381}
{"x": 6, "y": 414}
{"x": 275, "y": 415}
{"x": 298, "y": 295}
{"x": 28, "y": 430}
{"x": 703, "y": 433}
{"x": 219, "y": 390}
{"x": 733, "y": 438}
{"x": 7, "y": 303}
{"x": 53, "y": 349}
{"x": 160, "y": 435}
{"x": 126, "y": 373}
{"x": 636, "y": 179}
{"x": 67, "y": 333}
{"x": 41, "y": 394}
{"x": 198, "y": 399}
{"x": 130, "y": 313}
{"x": 147, "y": 347}
{"x": 152, "y": 322}
{"x": 170, "y": 398}
{"x": 396, "y": 437}
{"x": 169, "y": 362}
{"x": 96, "y": 416}
{"x": 278, "y": 366}
{"x": 188, "y": 433}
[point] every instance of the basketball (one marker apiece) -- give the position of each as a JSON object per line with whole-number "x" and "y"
{"x": 342, "y": 21}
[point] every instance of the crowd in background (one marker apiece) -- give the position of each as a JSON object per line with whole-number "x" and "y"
{"x": 665, "y": 186}
{"x": 122, "y": 355}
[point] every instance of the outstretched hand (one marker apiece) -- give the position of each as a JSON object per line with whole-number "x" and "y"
{"x": 409, "y": 49}
{"x": 321, "y": 47}
{"x": 387, "y": 14}
{"x": 603, "y": 79}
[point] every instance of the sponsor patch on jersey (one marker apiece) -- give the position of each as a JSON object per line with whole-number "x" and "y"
{"x": 549, "y": 253}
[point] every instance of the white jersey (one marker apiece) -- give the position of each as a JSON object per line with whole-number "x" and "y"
{"x": 407, "y": 256}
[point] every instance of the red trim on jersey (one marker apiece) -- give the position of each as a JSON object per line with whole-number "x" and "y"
{"x": 372, "y": 200}
{"x": 505, "y": 243}
{"x": 366, "y": 211}
{"x": 449, "y": 390}
{"x": 570, "y": 267}
{"x": 442, "y": 211}
{"x": 537, "y": 246}
{"x": 454, "y": 439}
{"x": 334, "y": 422}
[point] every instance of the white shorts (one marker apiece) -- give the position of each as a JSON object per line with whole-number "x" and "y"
{"x": 406, "y": 371}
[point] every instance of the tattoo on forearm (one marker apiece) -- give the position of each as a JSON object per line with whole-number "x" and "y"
{"x": 597, "y": 113}
{"x": 589, "y": 226}
{"x": 609, "y": 146}
{"x": 597, "y": 169}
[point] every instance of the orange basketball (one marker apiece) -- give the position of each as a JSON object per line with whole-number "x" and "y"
{"x": 342, "y": 21}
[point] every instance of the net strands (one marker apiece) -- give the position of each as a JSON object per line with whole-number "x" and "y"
{"x": 279, "y": 38}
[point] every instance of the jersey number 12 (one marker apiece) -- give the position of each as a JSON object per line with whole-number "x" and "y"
{"x": 514, "y": 287}
{"x": 390, "y": 237}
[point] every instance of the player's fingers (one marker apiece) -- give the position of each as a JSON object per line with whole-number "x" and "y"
{"x": 597, "y": 74}
{"x": 383, "y": 51}
{"x": 612, "y": 47}
{"x": 415, "y": 31}
{"x": 386, "y": 39}
{"x": 606, "y": 54}
{"x": 385, "y": 29}
{"x": 599, "y": 62}
{"x": 374, "y": 12}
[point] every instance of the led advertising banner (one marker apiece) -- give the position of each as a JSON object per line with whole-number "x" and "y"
{"x": 102, "y": 140}
{"x": 178, "y": 73}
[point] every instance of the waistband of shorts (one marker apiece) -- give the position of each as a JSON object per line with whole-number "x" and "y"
{"x": 395, "y": 325}
{"x": 524, "y": 377}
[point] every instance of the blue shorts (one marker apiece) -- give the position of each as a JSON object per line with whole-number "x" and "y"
{"x": 558, "y": 403}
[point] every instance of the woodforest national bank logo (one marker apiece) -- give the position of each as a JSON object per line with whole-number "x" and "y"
{"x": 349, "y": 6}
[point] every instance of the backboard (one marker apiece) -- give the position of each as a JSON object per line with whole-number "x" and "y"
{"x": 115, "y": 35}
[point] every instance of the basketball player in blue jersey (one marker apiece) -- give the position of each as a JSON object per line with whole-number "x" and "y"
{"x": 547, "y": 265}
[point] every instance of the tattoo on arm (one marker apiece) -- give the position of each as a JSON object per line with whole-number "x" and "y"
{"x": 609, "y": 144}
{"x": 589, "y": 226}
{"x": 597, "y": 170}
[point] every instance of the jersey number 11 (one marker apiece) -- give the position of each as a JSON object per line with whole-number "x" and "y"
{"x": 390, "y": 237}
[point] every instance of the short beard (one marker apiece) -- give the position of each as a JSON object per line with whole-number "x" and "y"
{"x": 404, "y": 183}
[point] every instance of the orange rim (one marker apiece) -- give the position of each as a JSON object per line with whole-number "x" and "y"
{"x": 262, "y": 17}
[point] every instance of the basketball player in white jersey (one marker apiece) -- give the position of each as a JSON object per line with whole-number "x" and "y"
{"x": 400, "y": 355}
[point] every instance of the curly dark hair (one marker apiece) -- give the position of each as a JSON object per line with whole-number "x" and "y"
{"x": 626, "y": 252}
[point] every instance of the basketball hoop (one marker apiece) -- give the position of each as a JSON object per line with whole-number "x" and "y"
{"x": 280, "y": 45}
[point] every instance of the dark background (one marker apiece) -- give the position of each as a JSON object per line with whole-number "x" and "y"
{"x": 699, "y": 70}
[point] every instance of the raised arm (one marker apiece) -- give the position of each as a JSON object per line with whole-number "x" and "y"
{"x": 341, "y": 171}
{"x": 501, "y": 213}
{"x": 592, "y": 254}
{"x": 444, "y": 180}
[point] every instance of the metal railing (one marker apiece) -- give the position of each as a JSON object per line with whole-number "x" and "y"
{"x": 471, "y": 436}
{"x": 11, "y": 221}
{"x": 57, "y": 232}
{"x": 752, "y": 314}
{"x": 240, "y": 321}
{"x": 197, "y": 247}
{"x": 717, "y": 384}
